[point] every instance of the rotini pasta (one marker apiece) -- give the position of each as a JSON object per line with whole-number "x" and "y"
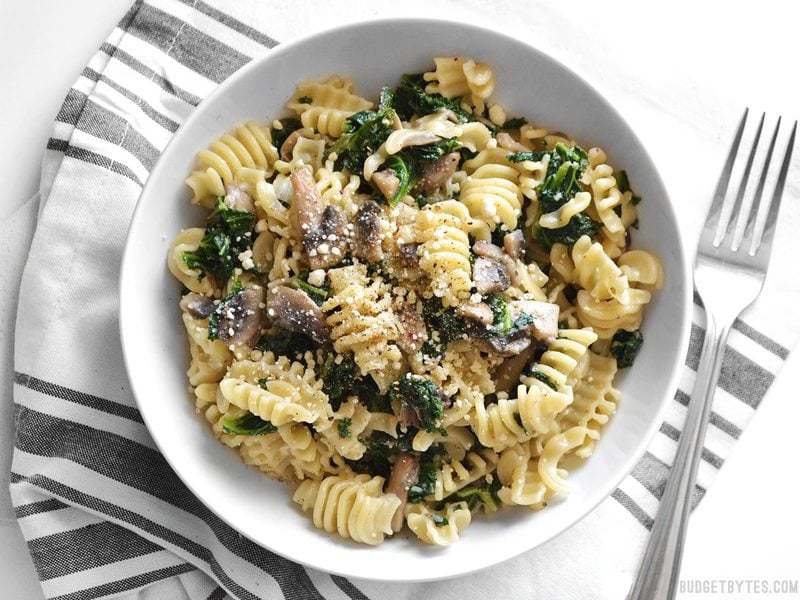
{"x": 412, "y": 310}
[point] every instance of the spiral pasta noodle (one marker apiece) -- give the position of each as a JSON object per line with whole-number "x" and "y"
{"x": 443, "y": 230}
{"x": 491, "y": 191}
{"x": 353, "y": 507}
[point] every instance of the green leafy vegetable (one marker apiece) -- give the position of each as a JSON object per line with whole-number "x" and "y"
{"x": 344, "y": 427}
{"x": 364, "y": 132}
{"x": 432, "y": 152}
{"x": 544, "y": 379}
{"x": 560, "y": 185}
{"x": 534, "y": 155}
{"x": 409, "y": 164}
{"x": 439, "y": 520}
{"x": 514, "y": 123}
{"x": 279, "y": 136}
{"x": 248, "y": 424}
{"x": 420, "y": 395}
{"x": 380, "y": 450}
{"x": 502, "y": 316}
{"x": 481, "y": 494}
{"x": 622, "y": 182}
{"x": 338, "y": 378}
{"x": 403, "y": 171}
{"x": 285, "y": 343}
{"x": 236, "y": 286}
{"x": 445, "y": 321}
{"x": 228, "y": 233}
{"x": 343, "y": 378}
{"x": 625, "y": 345}
{"x": 426, "y": 480}
{"x": 412, "y": 99}
{"x": 317, "y": 294}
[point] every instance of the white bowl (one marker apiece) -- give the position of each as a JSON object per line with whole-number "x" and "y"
{"x": 376, "y": 53}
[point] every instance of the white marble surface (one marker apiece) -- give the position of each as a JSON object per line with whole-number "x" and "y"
{"x": 693, "y": 64}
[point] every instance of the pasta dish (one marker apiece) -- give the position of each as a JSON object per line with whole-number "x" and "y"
{"x": 411, "y": 308}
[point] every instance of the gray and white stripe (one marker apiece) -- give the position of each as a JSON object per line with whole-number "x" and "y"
{"x": 86, "y": 475}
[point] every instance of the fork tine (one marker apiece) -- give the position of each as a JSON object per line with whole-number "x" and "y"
{"x": 749, "y": 233}
{"x": 767, "y": 236}
{"x": 722, "y": 185}
{"x": 728, "y": 227}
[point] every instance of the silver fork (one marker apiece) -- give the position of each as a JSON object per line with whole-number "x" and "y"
{"x": 729, "y": 273}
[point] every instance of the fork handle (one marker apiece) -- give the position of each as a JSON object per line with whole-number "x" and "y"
{"x": 659, "y": 571}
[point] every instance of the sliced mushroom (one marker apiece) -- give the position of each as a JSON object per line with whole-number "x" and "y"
{"x": 240, "y": 317}
{"x": 387, "y": 183}
{"x": 289, "y": 143}
{"x": 413, "y": 333}
{"x": 405, "y": 138}
{"x": 238, "y": 199}
{"x": 200, "y": 307}
{"x": 490, "y": 276}
{"x": 514, "y": 243}
{"x": 493, "y": 252}
{"x": 504, "y": 140}
{"x": 326, "y": 245}
{"x": 408, "y": 255}
{"x": 545, "y": 317}
{"x": 508, "y": 345}
{"x": 507, "y": 373}
{"x": 487, "y": 250}
{"x": 480, "y": 312}
{"x": 306, "y": 209}
{"x": 367, "y": 232}
{"x": 437, "y": 173}
{"x": 294, "y": 310}
{"x": 404, "y": 474}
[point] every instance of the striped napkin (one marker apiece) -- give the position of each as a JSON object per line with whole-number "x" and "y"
{"x": 101, "y": 510}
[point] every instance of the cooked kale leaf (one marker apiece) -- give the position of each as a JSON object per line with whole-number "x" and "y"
{"x": 364, "y": 132}
{"x": 412, "y": 99}
{"x": 343, "y": 378}
{"x": 429, "y": 464}
{"x": 481, "y": 494}
{"x": 228, "y": 233}
{"x": 421, "y": 395}
{"x": 279, "y": 136}
{"x": 561, "y": 183}
{"x": 317, "y": 294}
{"x": 248, "y": 424}
{"x": 344, "y": 427}
{"x": 514, "y": 123}
{"x": 625, "y": 345}
{"x": 285, "y": 343}
{"x": 534, "y": 155}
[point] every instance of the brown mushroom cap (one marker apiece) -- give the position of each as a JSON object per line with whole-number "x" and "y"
{"x": 480, "y": 312}
{"x": 240, "y": 318}
{"x": 514, "y": 243}
{"x": 197, "y": 305}
{"x": 387, "y": 183}
{"x": 306, "y": 209}
{"x": 366, "y": 240}
{"x": 437, "y": 173}
{"x": 490, "y": 276}
{"x": 413, "y": 333}
{"x": 404, "y": 474}
{"x": 294, "y": 310}
{"x": 327, "y": 243}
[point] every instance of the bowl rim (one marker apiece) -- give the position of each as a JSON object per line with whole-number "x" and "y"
{"x": 592, "y": 501}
